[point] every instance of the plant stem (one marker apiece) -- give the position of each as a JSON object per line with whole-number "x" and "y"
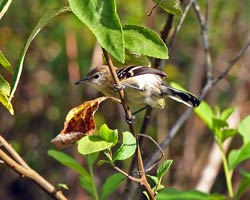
{"x": 228, "y": 173}
{"x": 94, "y": 189}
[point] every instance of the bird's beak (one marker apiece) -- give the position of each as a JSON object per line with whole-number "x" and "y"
{"x": 84, "y": 80}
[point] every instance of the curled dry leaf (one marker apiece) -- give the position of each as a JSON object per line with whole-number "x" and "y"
{"x": 79, "y": 122}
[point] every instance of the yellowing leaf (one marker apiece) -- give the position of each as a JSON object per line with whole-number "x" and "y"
{"x": 79, "y": 122}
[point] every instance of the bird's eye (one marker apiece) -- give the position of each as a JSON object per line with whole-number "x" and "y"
{"x": 96, "y": 76}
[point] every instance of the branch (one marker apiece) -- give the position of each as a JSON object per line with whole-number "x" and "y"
{"x": 173, "y": 131}
{"x": 129, "y": 122}
{"x": 204, "y": 39}
{"x": 20, "y": 166}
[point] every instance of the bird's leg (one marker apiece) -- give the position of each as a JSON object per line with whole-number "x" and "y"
{"x": 141, "y": 109}
{"x": 132, "y": 86}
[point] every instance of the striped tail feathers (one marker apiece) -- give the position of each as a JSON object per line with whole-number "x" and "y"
{"x": 180, "y": 96}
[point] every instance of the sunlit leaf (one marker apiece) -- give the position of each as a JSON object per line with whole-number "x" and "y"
{"x": 170, "y": 6}
{"x": 144, "y": 41}
{"x": 111, "y": 184}
{"x": 79, "y": 122}
{"x": 4, "y": 7}
{"x": 163, "y": 168}
{"x": 101, "y": 18}
{"x": 205, "y": 112}
{"x": 62, "y": 185}
{"x": 227, "y": 133}
{"x": 108, "y": 134}
{"x": 244, "y": 128}
{"x": 128, "y": 147}
{"x": 4, "y": 94}
{"x": 5, "y": 63}
{"x": 92, "y": 144}
{"x": 44, "y": 20}
{"x": 235, "y": 157}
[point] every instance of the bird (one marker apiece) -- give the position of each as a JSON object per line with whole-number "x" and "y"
{"x": 142, "y": 85}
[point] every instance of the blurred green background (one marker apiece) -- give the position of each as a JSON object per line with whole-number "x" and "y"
{"x": 63, "y": 52}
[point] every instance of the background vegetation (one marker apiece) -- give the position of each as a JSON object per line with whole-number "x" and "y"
{"x": 64, "y": 51}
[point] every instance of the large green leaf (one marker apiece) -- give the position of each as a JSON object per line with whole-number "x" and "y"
{"x": 173, "y": 194}
{"x": 170, "y": 6}
{"x": 101, "y": 18}
{"x": 111, "y": 184}
{"x": 128, "y": 147}
{"x": 44, "y": 20}
{"x": 144, "y": 41}
{"x": 226, "y": 113}
{"x": 5, "y": 63}
{"x": 4, "y": 7}
{"x": 237, "y": 156}
{"x": 205, "y": 112}
{"x": 69, "y": 162}
{"x": 244, "y": 129}
{"x": 92, "y": 144}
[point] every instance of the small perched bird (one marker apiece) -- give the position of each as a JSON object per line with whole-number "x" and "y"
{"x": 143, "y": 86}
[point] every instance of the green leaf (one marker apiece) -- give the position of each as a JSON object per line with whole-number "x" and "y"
{"x": 4, "y": 94}
{"x": 170, "y": 6}
{"x": 205, "y": 112}
{"x": 173, "y": 194}
{"x": 101, "y": 18}
{"x": 62, "y": 185}
{"x": 219, "y": 123}
{"x": 44, "y": 20}
{"x": 86, "y": 185}
{"x": 4, "y": 7}
{"x": 227, "y": 133}
{"x": 4, "y": 86}
{"x": 4, "y": 100}
{"x": 153, "y": 178}
{"x": 5, "y": 63}
{"x": 226, "y": 113}
{"x": 128, "y": 147}
{"x": 144, "y": 41}
{"x": 235, "y": 157}
{"x": 108, "y": 134}
{"x": 111, "y": 184}
{"x": 245, "y": 182}
{"x": 163, "y": 168}
{"x": 92, "y": 143}
{"x": 244, "y": 128}
{"x": 91, "y": 158}
{"x": 69, "y": 162}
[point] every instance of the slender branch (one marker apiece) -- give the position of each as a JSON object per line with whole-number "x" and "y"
{"x": 204, "y": 38}
{"x": 25, "y": 171}
{"x": 130, "y": 124}
{"x": 13, "y": 153}
{"x": 232, "y": 62}
{"x": 182, "y": 119}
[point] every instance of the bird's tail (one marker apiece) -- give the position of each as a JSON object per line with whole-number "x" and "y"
{"x": 180, "y": 96}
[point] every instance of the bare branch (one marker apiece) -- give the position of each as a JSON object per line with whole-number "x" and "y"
{"x": 25, "y": 171}
{"x": 204, "y": 39}
{"x": 182, "y": 119}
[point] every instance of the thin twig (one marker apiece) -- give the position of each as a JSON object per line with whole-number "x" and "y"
{"x": 204, "y": 39}
{"x": 13, "y": 153}
{"x": 25, "y": 171}
{"x": 182, "y": 119}
{"x": 130, "y": 124}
